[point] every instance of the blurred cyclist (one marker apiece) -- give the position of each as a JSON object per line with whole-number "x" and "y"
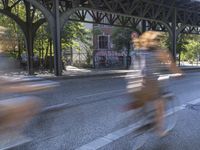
{"x": 152, "y": 60}
{"x": 15, "y": 113}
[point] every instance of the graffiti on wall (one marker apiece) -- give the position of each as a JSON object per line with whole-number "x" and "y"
{"x": 104, "y": 58}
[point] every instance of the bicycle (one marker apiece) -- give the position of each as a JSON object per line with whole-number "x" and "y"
{"x": 147, "y": 124}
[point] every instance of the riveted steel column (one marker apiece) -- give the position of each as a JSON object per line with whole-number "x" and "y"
{"x": 174, "y": 34}
{"x": 57, "y": 40}
{"x": 144, "y": 26}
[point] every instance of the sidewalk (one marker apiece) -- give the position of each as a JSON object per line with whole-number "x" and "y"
{"x": 75, "y": 73}
{"x": 70, "y": 73}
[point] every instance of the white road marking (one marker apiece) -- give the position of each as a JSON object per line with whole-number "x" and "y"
{"x": 103, "y": 141}
{"x": 102, "y": 93}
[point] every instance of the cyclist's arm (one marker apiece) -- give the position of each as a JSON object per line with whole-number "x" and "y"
{"x": 167, "y": 58}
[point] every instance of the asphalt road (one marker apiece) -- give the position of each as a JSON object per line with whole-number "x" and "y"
{"x": 94, "y": 112}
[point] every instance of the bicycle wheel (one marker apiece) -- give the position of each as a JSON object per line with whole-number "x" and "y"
{"x": 170, "y": 116}
{"x": 142, "y": 132}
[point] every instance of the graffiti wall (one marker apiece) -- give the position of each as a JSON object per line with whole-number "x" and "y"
{"x": 109, "y": 59}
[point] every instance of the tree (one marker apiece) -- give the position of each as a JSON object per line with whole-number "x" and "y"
{"x": 76, "y": 36}
{"x": 121, "y": 38}
{"x": 192, "y": 51}
{"x": 181, "y": 45}
{"x": 13, "y": 37}
{"x": 75, "y": 32}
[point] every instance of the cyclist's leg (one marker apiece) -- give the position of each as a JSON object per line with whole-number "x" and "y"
{"x": 160, "y": 105}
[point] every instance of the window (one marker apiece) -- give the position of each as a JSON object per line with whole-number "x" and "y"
{"x": 103, "y": 42}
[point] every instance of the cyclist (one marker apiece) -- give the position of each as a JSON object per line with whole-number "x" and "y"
{"x": 16, "y": 112}
{"x": 152, "y": 60}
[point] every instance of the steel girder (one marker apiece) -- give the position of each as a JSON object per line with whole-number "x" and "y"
{"x": 157, "y": 11}
{"x": 160, "y": 15}
{"x": 98, "y": 17}
{"x": 129, "y": 17}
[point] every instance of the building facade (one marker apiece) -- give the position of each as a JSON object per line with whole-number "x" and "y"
{"x": 104, "y": 53}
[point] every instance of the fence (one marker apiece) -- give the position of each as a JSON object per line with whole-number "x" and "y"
{"x": 109, "y": 59}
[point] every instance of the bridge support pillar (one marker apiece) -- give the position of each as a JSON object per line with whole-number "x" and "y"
{"x": 56, "y": 37}
{"x": 144, "y": 24}
{"x": 174, "y": 35}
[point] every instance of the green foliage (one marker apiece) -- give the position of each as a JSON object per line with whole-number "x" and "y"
{"x": 188, "y": 46}
{"x": 121, "y": 38}
{"x": 18, "y": 8}
{"x": 42, "y": 39}
{"x": 75, "y": 35}
{"x": 181, "y": 43}
{"x": 165, "y": 43}
{"x": 192, "y": 50}
{"x": 10, "y": 35}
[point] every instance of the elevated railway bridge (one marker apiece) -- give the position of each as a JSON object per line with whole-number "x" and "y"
{"x": 172, "y": 16}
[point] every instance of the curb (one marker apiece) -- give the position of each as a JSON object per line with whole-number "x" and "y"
{"x": 191, "y": 69}
{"x": 114, "y": 74}
{"x": 187, "y": 70}
{"x": 85, "y": 76}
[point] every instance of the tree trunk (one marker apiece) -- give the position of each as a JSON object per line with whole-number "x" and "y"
{"x": 46, "y": 55}
{"x": 19, "y": 48}
{"x": 51, "y": 60}
{"x": 40, "y": 53}
{"x": 179, "y": 59}
{"x": 71, "y": 52}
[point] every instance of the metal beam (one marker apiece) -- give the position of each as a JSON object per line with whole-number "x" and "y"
{"x": 57, "y": 40}
{"x": 174, "y": 34}
{"x": 144, "y": 24}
